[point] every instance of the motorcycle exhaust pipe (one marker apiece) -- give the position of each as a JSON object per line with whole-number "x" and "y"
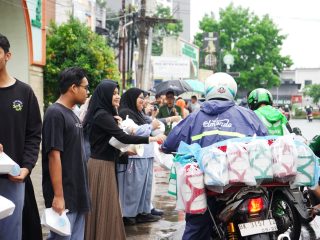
{"x": 284, "y": 236}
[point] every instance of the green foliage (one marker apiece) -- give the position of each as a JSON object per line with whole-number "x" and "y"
{"x": 312, "y": 91}
{"x": 254, "y": 42}
{"x": 164, "y": 29}
{"x": 74, "y": 44}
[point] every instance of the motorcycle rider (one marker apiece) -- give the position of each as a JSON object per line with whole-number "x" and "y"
{"x": 309, "y": 113}
{"x": 260, "y": 101}
{"x": 219, "y": 119}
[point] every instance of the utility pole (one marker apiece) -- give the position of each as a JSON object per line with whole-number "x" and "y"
{"x": 122, "y": 45}
{"x": 142, "y": 39}
{"x": 145, "y": 24}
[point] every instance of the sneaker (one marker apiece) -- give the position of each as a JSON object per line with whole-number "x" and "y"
{"x": 129, "y": 221}
{"x": 148, "y": 217}
{"x": 156, "y": 212}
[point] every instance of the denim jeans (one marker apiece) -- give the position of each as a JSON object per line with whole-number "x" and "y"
{"x": 11, "y": 227}
{"x": 77, "y": 228}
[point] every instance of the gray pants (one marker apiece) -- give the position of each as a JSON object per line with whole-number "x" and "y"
{"x": 11, "y": 227}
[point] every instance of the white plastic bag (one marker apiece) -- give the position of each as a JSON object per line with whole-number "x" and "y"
{"x": 160, "y": 130}
{"x": 284, "y": 154}
{"x": 238, "y": 164}
{"x": 128, "y": 125}
{"x": 260, "y": 158}
{"x": 213, "y": 162}
{"x": 6, "y": 207}
{"x": 191, "y": 190}
{"x": 165, "y": 160}
{"x": 8, "y": 166}
{"x": 305, "y": 166}
{"x": 59, "y": 224}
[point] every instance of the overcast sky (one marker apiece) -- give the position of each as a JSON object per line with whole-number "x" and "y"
{"x": 298, "y": 19}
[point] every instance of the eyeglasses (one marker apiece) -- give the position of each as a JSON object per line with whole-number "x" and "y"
{"x": 86, "y": 87}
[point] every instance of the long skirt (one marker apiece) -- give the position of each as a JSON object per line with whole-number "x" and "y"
{"x": 31, "y": 226}
{"x": 135, "y": 186}
{"x": 104, "y": 221}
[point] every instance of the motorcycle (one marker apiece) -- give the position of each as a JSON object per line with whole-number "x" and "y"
{"x": 263, "y": 212}
{"x": 287, "y": 115}
{"x": 310, "y": 117}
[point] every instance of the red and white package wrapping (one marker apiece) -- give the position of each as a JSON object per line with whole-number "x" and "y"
{"x": 191, "y": 189}
{"x": 238, "y": 164}
{"x": 284, "y": 154}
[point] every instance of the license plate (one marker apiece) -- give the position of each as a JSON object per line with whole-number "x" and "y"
{"x": 262, "y": 226}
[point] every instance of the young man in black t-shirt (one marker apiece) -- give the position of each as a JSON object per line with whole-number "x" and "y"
{"x": 64, "y": 168}
{"x": 20, "y": 136}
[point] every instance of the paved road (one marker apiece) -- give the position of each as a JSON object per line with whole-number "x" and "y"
{"x": 172, "y": 224}
{"x": 308, "y": 129}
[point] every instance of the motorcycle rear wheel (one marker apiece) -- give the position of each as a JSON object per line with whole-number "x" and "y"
{"x": 286, "y": 217}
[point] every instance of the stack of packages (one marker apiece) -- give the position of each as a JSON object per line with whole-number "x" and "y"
{"x": 248, "y": 161}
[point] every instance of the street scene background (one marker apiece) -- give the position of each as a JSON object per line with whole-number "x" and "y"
{"x": 171, "y": 225}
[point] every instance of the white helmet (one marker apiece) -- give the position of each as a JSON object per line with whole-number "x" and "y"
{"x": 220, "y": 85}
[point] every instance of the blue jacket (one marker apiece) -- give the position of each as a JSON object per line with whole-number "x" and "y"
{"x": 216, "y": 121}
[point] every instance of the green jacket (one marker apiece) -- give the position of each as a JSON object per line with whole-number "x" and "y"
{"x": 164, "y": 112}
{"x": 315, "y": 145}
{"x": 273, "y": 119}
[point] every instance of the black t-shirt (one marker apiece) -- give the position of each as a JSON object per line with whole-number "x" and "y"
{"x": 103, "y": 128}
{"x": 62, "y": 131}
{"x": 20, "y": 124}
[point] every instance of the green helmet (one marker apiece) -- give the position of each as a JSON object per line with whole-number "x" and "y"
{"x": 259, "y": 96}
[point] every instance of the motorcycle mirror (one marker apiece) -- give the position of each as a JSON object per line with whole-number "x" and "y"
{"x": 297, "y": 131}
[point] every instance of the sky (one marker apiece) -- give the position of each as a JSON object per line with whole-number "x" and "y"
{"x": 298, "y": 19}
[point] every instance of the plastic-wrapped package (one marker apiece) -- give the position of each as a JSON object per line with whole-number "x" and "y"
{"x": 6, "y": 207}
{"x": 238, "y": 164}
{"x": 213, "y": 162}
{"x": 160, "y": 130}
{"x": 172, "y": 187}
{"x": 8, "y": 166}
{"x": 306, "y": 166}
{"x": 260, "y": 159}
{"x": 191, "y": 190}
{"x": 59, "y": 224}
{"x": 284, "y": 156}
{"x": 165, "y": 160}
{"x": 179, "y": 162}
{"x": 128, "y": 125}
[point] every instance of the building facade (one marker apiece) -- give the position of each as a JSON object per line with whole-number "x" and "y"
{"x": 182, "y": 11}
{"x": 23, "y": 23}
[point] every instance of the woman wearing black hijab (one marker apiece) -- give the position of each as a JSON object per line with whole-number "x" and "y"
{"x": 135, "y": 179}
{"x": 105, "y": 219}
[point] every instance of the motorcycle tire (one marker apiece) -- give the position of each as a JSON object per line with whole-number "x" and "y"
{"x": 289, "y": 212}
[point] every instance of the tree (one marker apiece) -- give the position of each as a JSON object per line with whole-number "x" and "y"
{"x": 74, "y": 44}
{"x": 312, "y": 91}
{"x": 254, "y": 42}
{"x": 164, "y": 29}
